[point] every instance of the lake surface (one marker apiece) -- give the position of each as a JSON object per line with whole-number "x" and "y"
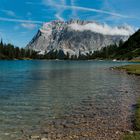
{"x": 32, "y": 91}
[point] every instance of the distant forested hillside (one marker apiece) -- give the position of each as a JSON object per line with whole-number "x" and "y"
{"x": 131, "y": 48}
{"x": 127, "y": 50}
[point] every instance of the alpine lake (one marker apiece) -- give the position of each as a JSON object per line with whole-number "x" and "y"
{"x": 66, "y": 100}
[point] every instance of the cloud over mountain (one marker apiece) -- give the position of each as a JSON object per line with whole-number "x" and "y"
{"x": 104, "y": 29}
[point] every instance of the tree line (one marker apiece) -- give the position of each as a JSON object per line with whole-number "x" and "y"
{"x": 9, "y": 51}
{"x": 108, "y": 52}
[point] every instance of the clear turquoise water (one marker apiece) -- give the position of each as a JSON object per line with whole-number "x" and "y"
{"x": 31, "y": 91}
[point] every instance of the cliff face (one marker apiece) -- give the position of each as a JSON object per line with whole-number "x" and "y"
{"x": 74, "y": 37}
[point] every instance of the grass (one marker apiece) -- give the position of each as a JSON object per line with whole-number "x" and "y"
{"x": 136, "y": 133}
{"x": 137, "y": 116}
{"x": 135, "y": 60}
{"x": 134, "y": 136}
{"x": 131, "y": 69}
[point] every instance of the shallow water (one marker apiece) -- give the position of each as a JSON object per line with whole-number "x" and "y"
{"x": 31, "y": 91}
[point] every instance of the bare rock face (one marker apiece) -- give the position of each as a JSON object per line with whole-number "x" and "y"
{"x": 75, "y": 36}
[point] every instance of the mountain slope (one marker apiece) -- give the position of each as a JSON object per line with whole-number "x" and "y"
{"x": 131, "y": 48}
{"x": 124, "y": 51}
{"x": 76, "y": 37}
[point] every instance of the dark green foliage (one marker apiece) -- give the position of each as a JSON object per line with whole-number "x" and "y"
{"x": 124, "y": 51}
{"x": 105, "y": 53}
{"x": 8, "y": 51}
{"x": 131, "y": 48}
{"x": 54, "y": 54}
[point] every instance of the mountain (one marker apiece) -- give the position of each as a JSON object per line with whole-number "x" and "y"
{"x": 128, "y": 50}
{"x": 76, "y": 37}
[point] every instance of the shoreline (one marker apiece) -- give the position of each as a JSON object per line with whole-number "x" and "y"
{"x": 79, "y": 124}
{"x": 97, "y": 59}
{"x": 135, "y": 133}
{"x": 88, "y": 120}
{"x": 130, "y": 69}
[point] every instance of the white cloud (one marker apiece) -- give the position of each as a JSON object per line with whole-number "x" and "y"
{"x": 54, "y": 5}
{"x": 74, "y": 13}
{"x": 61, "y": 6}
{"x": 9, "y": 12}
{"x": 20, "y": 20}
{"x": 60, "y": 11}
{"x": 32, "y": 3}
{"x": 29, "y": 26}
{"x": 93, "y": 10}
{"x": 59, "y": 17}
{"x": 104, "y": 29}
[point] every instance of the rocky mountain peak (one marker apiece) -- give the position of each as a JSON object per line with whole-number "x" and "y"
{"x": 76, "y": 36}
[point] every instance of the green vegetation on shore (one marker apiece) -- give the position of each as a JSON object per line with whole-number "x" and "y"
{"x": 130, "y": 69}
{"x": 135, "y": 60}
{"x": 136, "y": 134}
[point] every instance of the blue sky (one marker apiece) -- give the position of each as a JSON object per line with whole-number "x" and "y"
{"x": 20, "y": 19}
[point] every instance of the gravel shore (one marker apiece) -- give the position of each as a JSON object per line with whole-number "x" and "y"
{"x": 88, "y": 121}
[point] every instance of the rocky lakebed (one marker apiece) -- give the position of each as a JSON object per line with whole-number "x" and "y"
{"x": 88, "y": 121}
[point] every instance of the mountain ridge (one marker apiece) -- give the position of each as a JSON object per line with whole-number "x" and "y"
{"x": 76, "y": 36}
